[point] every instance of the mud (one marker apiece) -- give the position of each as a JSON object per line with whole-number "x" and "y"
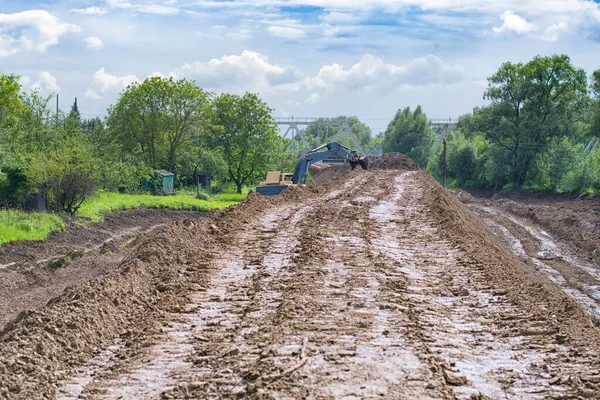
{"x": 29, "y": 278}
{"x": 378, "y": 284}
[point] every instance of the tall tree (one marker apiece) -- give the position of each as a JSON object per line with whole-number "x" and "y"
{"x": 10, "y": 100}
{"x": 325, "y": 129}
{"x": 595, "y": 129}
{"x": 246, "y": 132}
{"x": 410, "y": 133}
{"x": 158, "y": 117}
{"x": 531, "y": 105}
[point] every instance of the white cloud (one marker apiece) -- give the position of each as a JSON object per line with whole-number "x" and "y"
{"x": 24, "y": 80}
{"x": 157, "y": 9}
{"x": 313, "y": 98}
{"x": 371, "y": 74}
{"x": 552, "y": 33}
{"x": 104, "y": 84}
{"x": 45, "y": 82}
{"x": 31, "y": 30}
{"x": 286, "y": 32}
{"x": 250, "y": 70}
{"x": 94, "y": 43}
{"x": 242, "y": 34}
{"x": 253, "y": 71}
{"x": 170, "y": 2}
{"x": 145, "y": 8}
{"x": 514, "y": 23}
{"x": 93, "y": 10}
{"x": 218, "y": 27}
{"x": 336, "y": 17}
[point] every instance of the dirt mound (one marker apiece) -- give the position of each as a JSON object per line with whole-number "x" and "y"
{"x": 394, "y": 161}
{"x": 577, "y": 225}
{"x": 72, "y": 326}
{"x": 84, "y": 252}
{"x": 520, "y": 281}
{"x": 324, "y": 174}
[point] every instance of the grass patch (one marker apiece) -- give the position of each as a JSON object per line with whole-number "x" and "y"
{"x": 106, "y": 202}
{"x": 230, "y": 197}
{"x": 18, "y": 225}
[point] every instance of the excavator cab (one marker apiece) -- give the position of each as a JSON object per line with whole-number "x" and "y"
{"x": 275, "y": 183}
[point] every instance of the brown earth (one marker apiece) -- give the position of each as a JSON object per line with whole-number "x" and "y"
{"x": 376, "y": 284}
{"x": 568, "y": 217}
{"x": 34, "y": 272}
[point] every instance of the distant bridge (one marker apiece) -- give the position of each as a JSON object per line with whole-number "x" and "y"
{"x": 440, "y": 125}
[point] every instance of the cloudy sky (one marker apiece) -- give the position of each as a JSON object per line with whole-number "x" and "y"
{"x": 307, "y": 58}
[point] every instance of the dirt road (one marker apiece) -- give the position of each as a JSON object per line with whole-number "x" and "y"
{"x": 379, "y": 286}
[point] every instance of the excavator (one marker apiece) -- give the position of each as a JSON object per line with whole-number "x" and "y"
{"x": 333, "y": 152}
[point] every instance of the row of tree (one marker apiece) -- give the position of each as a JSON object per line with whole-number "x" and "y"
{"x": 157, "y": 124}
{"x": 539, "y": 131}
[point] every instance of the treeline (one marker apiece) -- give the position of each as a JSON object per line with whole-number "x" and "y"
{"x": 539, "y": 131}
{"x": 157, "y": 124}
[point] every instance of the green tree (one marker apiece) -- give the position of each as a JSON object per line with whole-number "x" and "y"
{"x": 531, "y": 105}
{"x": 73, "y": 121}
{"x": 410, "y": 133}
{"x": 68, "y": 169}
{"x": 247, "y": 135}
{"x": 10, "y": 101}
{"x": 158, "y": 117}
{"x": 325, "y": 129}
{"x": 595, "y": 107}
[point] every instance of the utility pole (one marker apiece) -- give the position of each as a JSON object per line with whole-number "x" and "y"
{"x": 444, "y": 165}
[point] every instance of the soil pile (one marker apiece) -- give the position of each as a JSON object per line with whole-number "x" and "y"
{"x": 423, "y": 304}
{"x": 324, "y": 174}
{"x": 397, "y": 161}
{"x": 84, "y": 252}
{"x": 519, "y": 281}
{"x": 579, "y": 225}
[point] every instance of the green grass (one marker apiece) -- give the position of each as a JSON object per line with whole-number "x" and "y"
{"x": 106, "y": 202}
{"x": 230, "y": 197}
{"x": 18, "y": 225}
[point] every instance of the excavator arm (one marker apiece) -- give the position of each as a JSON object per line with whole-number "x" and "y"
{"x": 333, "y": 149}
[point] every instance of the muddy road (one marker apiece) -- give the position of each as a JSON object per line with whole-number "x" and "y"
{"x": 379, "y": 285}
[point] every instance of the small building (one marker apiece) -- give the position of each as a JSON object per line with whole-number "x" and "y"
{"x": 161, "y": 182}
{"x": 203, "y": 179}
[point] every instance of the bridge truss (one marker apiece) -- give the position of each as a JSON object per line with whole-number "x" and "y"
{"x": 296, "y": 126}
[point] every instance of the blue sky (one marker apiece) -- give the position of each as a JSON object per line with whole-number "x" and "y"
{"x": 307, "y": 58}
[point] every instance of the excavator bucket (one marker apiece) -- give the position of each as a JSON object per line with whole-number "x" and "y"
{"x": 363, "y": 162}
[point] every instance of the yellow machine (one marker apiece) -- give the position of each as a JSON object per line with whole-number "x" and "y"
{"x": 275, "y": 183}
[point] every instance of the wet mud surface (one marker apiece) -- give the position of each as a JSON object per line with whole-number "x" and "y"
{"x": 378, "y": 285}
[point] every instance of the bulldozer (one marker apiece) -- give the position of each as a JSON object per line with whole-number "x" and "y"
{"x": 330, "y": 153}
